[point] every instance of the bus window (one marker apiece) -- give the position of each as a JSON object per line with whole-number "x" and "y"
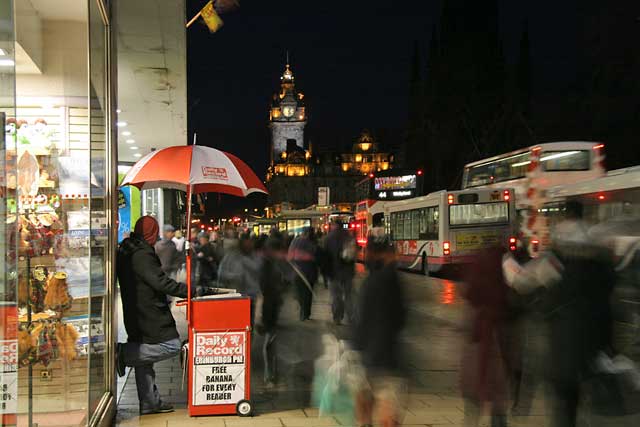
{"x": 513, "y": 167}
{"x": 415, "y": 224}
{"x": 479, "y": 214}
{"x": 429, "y": 223}
{"x": 558, "y": 161}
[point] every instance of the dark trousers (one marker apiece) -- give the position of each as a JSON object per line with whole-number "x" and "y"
{"x": 341, "y": 289}
{"x": 142, "y": 357}
{"x": 564, "y": 409}
{"x": 270, "y": 357}
{"x": 305, "y": 298}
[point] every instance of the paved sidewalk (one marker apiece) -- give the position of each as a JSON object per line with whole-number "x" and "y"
{"x": 432, "y": 343}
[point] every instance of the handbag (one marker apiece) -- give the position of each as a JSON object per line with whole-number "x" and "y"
{"x": 613, "y": 389}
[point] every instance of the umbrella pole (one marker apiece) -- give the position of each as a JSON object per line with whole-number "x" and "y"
{"x": 188, "y": 246}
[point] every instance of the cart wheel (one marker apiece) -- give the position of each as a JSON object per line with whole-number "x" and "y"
{"x": 244, "y": 408}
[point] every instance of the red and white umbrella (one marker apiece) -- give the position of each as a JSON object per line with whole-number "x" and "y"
{"x": 195, "y": 169}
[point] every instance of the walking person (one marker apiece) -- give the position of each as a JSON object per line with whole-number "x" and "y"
{"x": 377, "y": 337}
{"x": 207, "y": 260}
{"x": 484, "y": 370}
{"x": 240, "y": 269}
{"x": 272, "y": 284}
{"x": 167, "y": 252}
{"x": 341, "y": 247}
{"x": 179, "y": 241}
{"x": 577, "y": 277}
{"x": 151, "y": 328}
{"x": 302, "y": 254}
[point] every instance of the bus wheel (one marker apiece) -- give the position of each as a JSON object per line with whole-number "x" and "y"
{"x": 425, "y": 266}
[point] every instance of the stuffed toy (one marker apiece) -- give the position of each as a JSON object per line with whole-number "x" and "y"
{"x": 58, "y": 298}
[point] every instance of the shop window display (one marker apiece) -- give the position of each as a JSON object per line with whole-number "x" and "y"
{"x": 54, "y": 213}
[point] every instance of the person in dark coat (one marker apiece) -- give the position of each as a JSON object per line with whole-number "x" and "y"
{"x": 207, "y": 260}
{"x": 151, "y": 328}
{"x": 377, "y": 331}
{"x": 484, "y": 373}
{"x": 272, "y": 285}
{"x": 341, "y": 249}
{"x": 302, "y": 253}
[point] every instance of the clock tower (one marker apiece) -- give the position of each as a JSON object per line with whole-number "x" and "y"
{"x": 287, "y": 118}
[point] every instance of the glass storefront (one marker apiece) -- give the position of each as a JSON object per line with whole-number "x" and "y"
{"x": 57, "y": 227}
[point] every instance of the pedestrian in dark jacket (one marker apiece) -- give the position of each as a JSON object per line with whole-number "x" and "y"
{"x": 272, "y": 284}
{"x": 382, "y": 317}
{"x": 207, "y": 260}
{"x": 151, "y": 328}
{"x": 302, "y": 253}
{"x": 342, "y": 257}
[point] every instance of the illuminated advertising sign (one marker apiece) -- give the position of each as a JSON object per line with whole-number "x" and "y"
{"x": 395, "y": 187}
{"x": 404, "y": 182}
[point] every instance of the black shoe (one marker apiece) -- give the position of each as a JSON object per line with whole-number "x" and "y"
{"x": 121, "y": 368}
{"x": 164, "y": 408}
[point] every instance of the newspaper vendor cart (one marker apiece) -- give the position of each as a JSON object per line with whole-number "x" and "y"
{"x": 219, "y": 356}
{"x": 219, "y": 326}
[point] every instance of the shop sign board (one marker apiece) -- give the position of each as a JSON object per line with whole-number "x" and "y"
{"x": 324, "y": 196}
{"x": 8, "y": 362}
{"x": 476, "y": 240}
{"x": 219, "y": 367}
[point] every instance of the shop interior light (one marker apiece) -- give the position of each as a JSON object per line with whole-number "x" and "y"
{"x": 133, "y": 148}
{"x": 450, "y": 199}
{"x": 121, "y": 124}
{"x": 3, "y": 52}
{"x": 597, "y": 147}
{"x": 137, "y": 155}
{"x": 130, "y": 141}
{"x": 118, "y": 111}
{"x": 7, "y": 63}
{"x": 126, "y": 133}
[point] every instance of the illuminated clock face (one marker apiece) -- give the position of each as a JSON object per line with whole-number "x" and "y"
{"x": 288, "y": 111}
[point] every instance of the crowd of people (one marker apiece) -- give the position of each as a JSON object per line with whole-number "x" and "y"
{"x": 521, "y": 312}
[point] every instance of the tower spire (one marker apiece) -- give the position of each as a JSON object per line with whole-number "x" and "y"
{"x": 288, "y": 58}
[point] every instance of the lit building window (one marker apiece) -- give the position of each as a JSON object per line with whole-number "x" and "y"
{"x": 385, "y": 166}
{"x": 284, "y": 155}
{"x": 276, "y": 112}
{"x": 281, "y": 169}
{"x": 307, "y": 155}
{"x": 345, "y": 167}
{"x": 365, "y": 146}
{"x": 358, "y": 157}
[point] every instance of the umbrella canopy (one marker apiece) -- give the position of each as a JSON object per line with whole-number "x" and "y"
{"x": 205, "y": 169}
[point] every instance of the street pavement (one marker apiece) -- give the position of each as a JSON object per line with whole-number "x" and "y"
{"x": 432, "y": 345}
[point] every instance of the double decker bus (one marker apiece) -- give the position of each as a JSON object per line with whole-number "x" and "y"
{"x": 610, "y": 203}
{"x": 373, "y": 192}
{"x": 533, "y": 170}
{"x": 449, "y": 227}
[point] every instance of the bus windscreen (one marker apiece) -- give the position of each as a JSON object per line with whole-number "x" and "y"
{"x": 479, "y": 214}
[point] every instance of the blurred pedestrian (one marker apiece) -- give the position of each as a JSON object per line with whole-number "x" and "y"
{"x": 484, "y": 368}
{"x": 240, "y": 270}
{"x": 151, "y": 329}
{"x": 206, "y": 259}
{"x": 272, "y": 284}
{"x": 324, "y": 260}
{"x": 302, "y": 254}
{"x": 578, "y": 277}
{"x": 377, "y": 332}
{"x": 166, "y": 250}
{"x": 341, "y": 247}
{"x": 179, "y": 240}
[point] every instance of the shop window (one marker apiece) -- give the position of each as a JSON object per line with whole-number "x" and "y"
{"x": 55, "y": 156}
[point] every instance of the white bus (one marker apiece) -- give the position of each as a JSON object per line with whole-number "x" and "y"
{"x": 612, "y": 201}
{"x": 449, "y": 227}
{"x": 531, "y": 171}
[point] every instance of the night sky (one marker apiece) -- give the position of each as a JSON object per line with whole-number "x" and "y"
{"x": 350, "y": 58}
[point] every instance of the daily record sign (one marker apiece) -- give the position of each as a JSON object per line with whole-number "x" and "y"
{"x": 219, "y": 368}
